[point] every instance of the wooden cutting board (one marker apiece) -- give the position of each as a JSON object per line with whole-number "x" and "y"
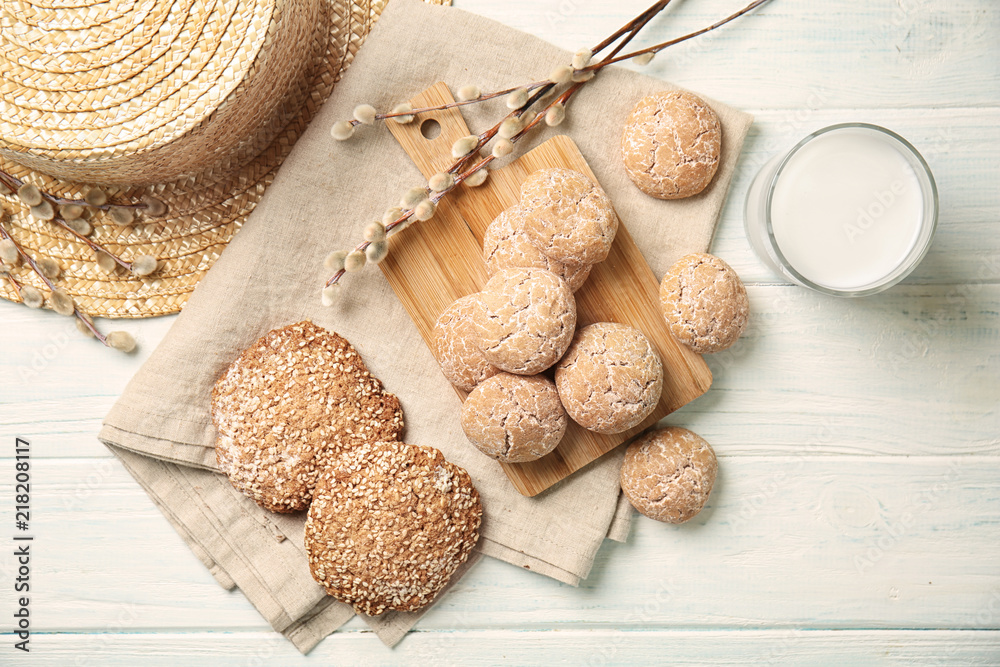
{"x": 433, "y": 263}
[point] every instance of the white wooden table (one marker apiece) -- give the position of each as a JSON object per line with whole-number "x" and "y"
{"x": 857, "y": 515}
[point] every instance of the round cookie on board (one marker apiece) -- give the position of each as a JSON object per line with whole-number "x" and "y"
{"x": 524, "y": 319}
{"x": 704, "y": 303}
{"x": 460, "y": 358}
{"x": 567, "y": 216}
{"x": 668, "y": 474}
{"x": 506, "y": 245}
{"x": 610, "y": 379}
{"x": 292, "y": 400}
{"x": 671, "y": 144}
{"x": 389, "y": 525}
{"x": 514, "y": 418}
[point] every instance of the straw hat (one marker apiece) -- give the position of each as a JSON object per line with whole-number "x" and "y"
{"x": 193, "y": 102}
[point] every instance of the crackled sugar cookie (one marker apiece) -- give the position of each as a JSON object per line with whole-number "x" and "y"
{"x": 524, "y": 320}
{"x": 460, "y": 358}
{"x": 671, "y": 144}
{"x": 292, "y": 400}
{"x": 506, "y": 245}
{"x": 567, "y": 216}
{"x": 668, "y": 474}
{"x": 704, "y": 303}
{"x": 610, "y": 379}
{"x": 514, "y": 418}
{"x": 389, "y": 525}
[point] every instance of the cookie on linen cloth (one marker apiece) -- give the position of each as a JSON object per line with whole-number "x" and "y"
{"x": 460, "y": 358}
{"x": 567, "y": 216}
{"x": 525, "y": 320}
{"x": 290, "y": 401}
{"x": 506, "y": 245}
{"x": 610, "y": 379}
{"x": 514, "y": 418}
{"x": 389, "y": 525}
{"x": 669, "y": 473}
{"x": 671, "y": 144}
{"x": 704, "y": 303}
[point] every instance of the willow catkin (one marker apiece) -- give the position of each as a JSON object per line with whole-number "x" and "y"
{"x": 403, "y": 108}
{"x": 29, "y": 194}
{"x": 441, "y": 181}
{"x": 365, "y": 113}
{"x": 644, "y": 58}
{"x": 355, "y": 261}
{"x": 31, "y": 297}
{"x": 517, "y": 99}
{"x": 478, "y": 178}
{"x": 43, "y": 211}
{"x": 96, "y": 197}
{"x": 120, "y": 340}
{"x": 80, "y": 226}
{"x": 9, "y": 253}
{"x": 62, "y": 302}
{"x": 155, "y": 208}
{"x": 510, "y": 127}
{"x": 377, "y": 251}
{"x": 121, "y": 216}
{"x": 143, "y": 265}
{"x": 71, "y": 212}
{"x": 342, "y": 130}
{"x": 464, "y": 146}
{"x": 106, "y": 262}
{"x": 49, "y": 267}
{"x": 375, "y": 232}
{"x": 468, "y": 93}
{"x": 412, "y": 197}
{"x": 424, "y": 210}
{"x": 561, "y": 74}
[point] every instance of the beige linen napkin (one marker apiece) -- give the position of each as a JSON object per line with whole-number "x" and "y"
{"x": 271, "y": 273}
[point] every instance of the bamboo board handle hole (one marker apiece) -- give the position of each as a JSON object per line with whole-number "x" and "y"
{"x": 430, "y": 129}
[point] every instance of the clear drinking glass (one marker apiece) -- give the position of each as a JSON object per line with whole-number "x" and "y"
{"x": 849, "y": 211}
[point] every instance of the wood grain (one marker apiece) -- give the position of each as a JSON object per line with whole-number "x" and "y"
{"x": 805, "y": 406}
{"x": 431, "y": 264}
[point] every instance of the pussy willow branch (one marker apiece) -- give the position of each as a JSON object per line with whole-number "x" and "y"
{"x": 52, "y": 288}
{"x": 13, "y": 182}
{"x": 629, "y": 30}
{"x": 659, "y": 47}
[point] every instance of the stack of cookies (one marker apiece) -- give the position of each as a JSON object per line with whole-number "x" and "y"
{"x": 515, "y": 345}
{"x": 302, "y": 424}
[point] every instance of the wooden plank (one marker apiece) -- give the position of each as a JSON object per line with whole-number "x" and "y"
{"x": 790, "y": 541}
{"x": 792, "y": 54}
{"x": 570, "y": 646}
{"x": 438, "y": 261}
{"x": 774, "y": 393}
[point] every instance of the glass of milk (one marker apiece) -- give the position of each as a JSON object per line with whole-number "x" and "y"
{"x": 849, "y": 211}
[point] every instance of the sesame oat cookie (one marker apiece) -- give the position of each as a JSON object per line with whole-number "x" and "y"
{"x": 610, "y": 378}
{"x": 671, "y": 144}
{"x": 668, "y": 474}
{"x": 507, "y": 245}
{"x": 567, "y": 216}
{"x": 460, "y": 358}
{"x": 289, "y": 402}
{"x": 524, "y": 319}
{"x": 514, "y": 418}
{"x": 389, "y": 525}
{"x": 704, "y": 303}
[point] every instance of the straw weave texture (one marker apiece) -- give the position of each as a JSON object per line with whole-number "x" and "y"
{"x": 196, "y": 103}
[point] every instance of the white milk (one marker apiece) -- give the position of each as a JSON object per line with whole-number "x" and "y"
{"x": 852, "y": 210}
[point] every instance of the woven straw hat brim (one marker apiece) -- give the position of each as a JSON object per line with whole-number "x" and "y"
{"x": 206, "y": 209}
